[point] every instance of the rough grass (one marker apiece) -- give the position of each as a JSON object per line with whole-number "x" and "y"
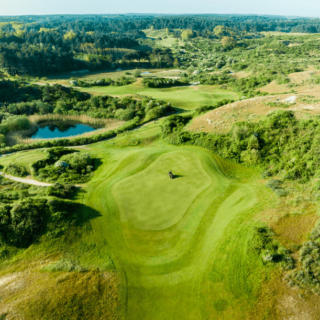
{"x": 60, "y": 295}
{"x": 293, "y": 229}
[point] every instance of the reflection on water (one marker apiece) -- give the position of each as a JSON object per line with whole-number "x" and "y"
{"x": 61, "y": 130}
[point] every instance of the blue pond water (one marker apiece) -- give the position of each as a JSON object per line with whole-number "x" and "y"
{"x": 61, "y": 130}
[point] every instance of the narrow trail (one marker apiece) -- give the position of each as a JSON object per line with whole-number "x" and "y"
{"x": 31, "y": 181}
{"x": 26, "y": 180}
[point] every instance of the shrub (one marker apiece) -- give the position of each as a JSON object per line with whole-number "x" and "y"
{"x": 14, "y": 123}
{"x": 60, "y": 191}
{"x": 174, "y": 123}
{"x": 161, "y": 82}
{"x": 263, "y": 244}
{"x": 64, "y": 166}
{"x": 16, "y": 170}
{"x": 78, "y": 161}
{"x": 24, "y": 221}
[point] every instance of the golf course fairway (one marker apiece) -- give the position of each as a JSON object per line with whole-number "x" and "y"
{"x": 180, "y": 243}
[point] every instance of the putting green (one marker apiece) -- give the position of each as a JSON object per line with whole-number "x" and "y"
{"x": 167, "y": 235}
{"x": 165, "y": 201}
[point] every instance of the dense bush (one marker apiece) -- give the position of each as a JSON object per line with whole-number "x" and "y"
{"x": 263, "y": 244}
{"x": 16, "y": 170}
{"x": 24, "y": 221}
{"x": 174, "y": 123}
{"x": 64, "y": 165}
{"x": 308, "y": 275}
{"x": 53, "y": 155}
{"x": 122, "y": 81}
{"x": 276, "y": 187}
{"x": 161, "y": 82}
{"x": 60, "y": 191}
{"x": 13, "y": 123}
{"x": 216, "y": 105}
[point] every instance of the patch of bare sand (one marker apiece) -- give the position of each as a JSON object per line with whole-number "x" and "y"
{"x": 242, "y": 74}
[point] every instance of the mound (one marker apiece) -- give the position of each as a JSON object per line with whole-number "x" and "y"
{"x": 166, "y": 233}
{"x": 221, "y": 119}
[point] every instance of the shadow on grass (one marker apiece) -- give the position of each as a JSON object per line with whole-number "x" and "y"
{"x": 179, "y": 110}
{"x": 97, "y": 163}
{"x": 85, "y": 213}
{"x": 177, "y": 176}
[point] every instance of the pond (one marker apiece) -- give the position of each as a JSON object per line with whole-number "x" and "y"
{"x": 61, "y": 130}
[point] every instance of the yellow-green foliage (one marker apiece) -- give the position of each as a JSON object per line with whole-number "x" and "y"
{"x": 228, "y": 42}
{"x": 17, "y": 25}
{"x": 70, "y": 35}
{"x": 186, "y": 34}
{"x": 90, "y": 33}
{"x": 44, "y": 30}
{"x": 20, "y": 33}
{"x": 219, "y": 30}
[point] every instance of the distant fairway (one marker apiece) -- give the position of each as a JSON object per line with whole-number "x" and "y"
{"x": 167, "y": 235}
{"x": 187, "y": 98}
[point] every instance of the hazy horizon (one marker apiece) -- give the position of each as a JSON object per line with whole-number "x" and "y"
{"x": 288, "y": 8}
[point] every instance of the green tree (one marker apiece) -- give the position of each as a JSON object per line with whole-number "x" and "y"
{"x": 187, "y": 34}
{"x": 61, "y": 108}
{"x": 70, "y": 35}
{"x": 228, "y": 42}
{"x": 219, "y": 31}
{"x": 2, "y": 139}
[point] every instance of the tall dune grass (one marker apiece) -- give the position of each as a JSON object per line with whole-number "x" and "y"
{"x": 103, "y": 123}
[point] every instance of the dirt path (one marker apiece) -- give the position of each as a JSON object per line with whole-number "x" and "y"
{"x": 30, "y": 180}
{"x": 25, "y": 180}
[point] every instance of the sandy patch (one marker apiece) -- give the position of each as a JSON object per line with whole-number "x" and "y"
{"x": 6, "y": 280}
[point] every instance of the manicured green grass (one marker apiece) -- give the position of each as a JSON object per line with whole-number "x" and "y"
{"x": 175, "y": 239}
{"x": 23, "y": 158}
{"x": 186, "y": 98}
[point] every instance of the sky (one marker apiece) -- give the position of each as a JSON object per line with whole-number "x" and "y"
{"x": 310, "y": 8}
